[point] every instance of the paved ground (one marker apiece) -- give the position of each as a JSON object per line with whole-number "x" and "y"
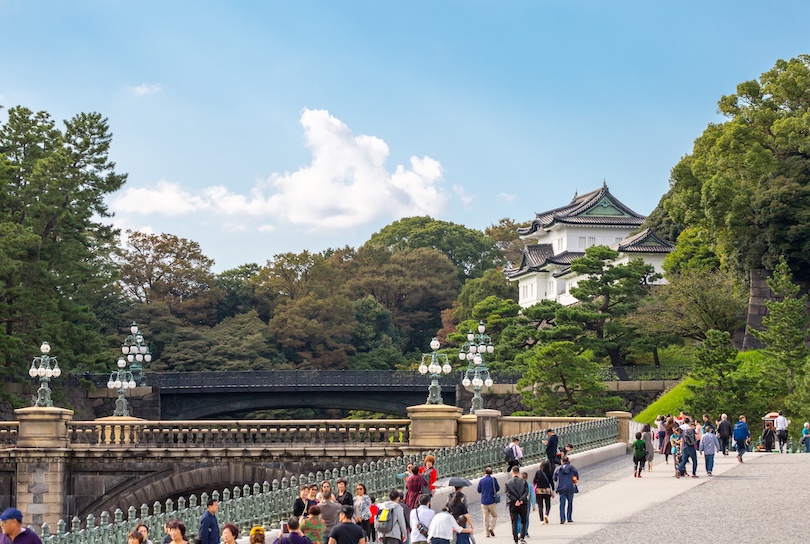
{"x": 766, "y": 498}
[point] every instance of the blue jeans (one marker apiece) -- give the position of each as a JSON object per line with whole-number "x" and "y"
{"x": 709, "y": 462}
{"x": 688, "y": 453}
{"x": 741, "y": 447}
{"x": 807, "y": 444}
{"x": 566, "y": 496}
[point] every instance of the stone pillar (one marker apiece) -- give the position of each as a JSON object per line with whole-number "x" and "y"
{"x": 41, "y": 455}
{"x": 623, "y": 420}
{"x": 467, "y": 429}
{"x": 488, "y": 426}
{"x": 433, "y": 426}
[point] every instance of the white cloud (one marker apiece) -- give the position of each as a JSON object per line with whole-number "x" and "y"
{"x": 146, "y": 88}
{"x": 345, "y": 185}
{"x": 463, "y": 196}
{"x": 507, "y": 197}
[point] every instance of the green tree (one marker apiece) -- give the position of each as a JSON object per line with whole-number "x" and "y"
{"x": 786, "y": 325}
{"x": 241, "y": 342}
{"x": 693, "y": 251}
{"x": 469, "y": 250}
{"x": 560, "y": 380}
{"x": 237, "y": 285}
{"x": 608, "y": 293}
{"x": 506, "y": 238}
{"x": 747, "y": 180}
{"x": 54, "y": 247}
{"x": 690, "y": 305}
{"x": 492, "y": 283}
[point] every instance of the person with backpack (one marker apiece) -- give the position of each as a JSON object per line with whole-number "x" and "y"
{"x": 429, "y": 475}
{"x": 390, "y": 522}
{"x": 688, "y": 451}
{"x": 708, "y": 447}
{"x": 639, "y": 455}
{"x": 742, "y": 436}
{"x": 512, "y": 454}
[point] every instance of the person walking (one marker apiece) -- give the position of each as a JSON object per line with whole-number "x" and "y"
{"x": 670, "y": 427}
{"x": 399, "y": 530}
{"x": 639, "y": 455}
{"x": 513, "y": 455}
{"x": 443, "y": 527}
{"x": 11, "y": 524}
{"x": 209, "y": 527}
{"x": 781, "y": 425}
{"x": 421, "y": 516}
{"x": 530, "y": 507}
{"x": 688, "y": 451}
{"x": 709, "y": 445}
{"x": 330, "y": 514}
{"x": 488, "y": 487}
{"x": 661, "y": 425}
{"x": 768, "y": 437}
{"x": 346, "y": 531}
{"x": 552, "y": 443}
{"x": 742, "y": 436}
{"x": 646, "y": 436}
{"x": 544, "y": 489}
{"x": 517, "y": 496}
{"x": 806, "y": 436}
{"x": 724, "y": 432}
{"x": 566, "y": 478}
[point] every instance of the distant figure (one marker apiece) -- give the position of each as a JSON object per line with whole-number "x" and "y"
{"x": 443, "y": 528}
{"x": 781, "y": 425}
{"x": 429, "y": 474}
{"x": 552, "y": 442}
{"x": 639, "y": 455}
{"x": 806, "y": 436}
{"x": 517, "y": 496}
{"x": 11, "y": 519}
{"x": 688, "y": 451}
{"x": 742, "y": 436}
{"x": 708, "y": 447}
{"x": 724, "y": 432}
{"x": 768, "y": 436}
{"x": 544, "y": 488}
{"x": 647, "y": 437}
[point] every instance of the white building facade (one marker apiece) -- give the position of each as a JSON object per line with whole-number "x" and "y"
{"x": 558, "y": 236}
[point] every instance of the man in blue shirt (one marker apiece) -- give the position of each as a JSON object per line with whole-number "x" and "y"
{"x": 11, "y": 523}
{"x": 742, "y": 436}
{"x": 209, "y": 528}
{"x": 488, "y": 487}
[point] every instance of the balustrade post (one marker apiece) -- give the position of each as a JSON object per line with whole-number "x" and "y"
{"x": 623, "y": 422}
{"x": 433, "y": 426}
{"x": 42, "y": 445}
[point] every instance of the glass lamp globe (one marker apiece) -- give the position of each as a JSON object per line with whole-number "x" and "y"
{"x": 110, "y": 384}
{"x": 45, "y": 347}
{"x": 481, "y": 327}
{"x": 435, "y": 369}
{"x": 473, "y": 349}
{"x": 488, "y": 382}
{"x": 32, "y": 372}
{"x": 121, "y": 362}
{"x": 470, "y": 336}
{"x": 48, "y": 373}
{"x": 130, "y": 358}
{"x": 118, "y": 384}
{"x": 133, "y": 349}
{"x": 465, "y": 382}
{"x": 133, "y": 329}
{"x": 41, "y": 372}
{"x": 139, "y": 338}
{"x": 462, "y": 355}
{"x": 147, "y": 357}
{"x": 139, "y": 357}
{"x": 477, "y": 382}
{"x": 423, "y": 368}
{"x": 447, "y": 368}
{"x": 434, "y": 344}
{"x": 132, "y": 384}
{"x": 477, "y": 360}
{"x": 124, "y": 384}
{"x": 57, "y": 372}
{"x": 124, "y": 349}
{"x": 143, "y": 349}
{"x": 490, "y": 348}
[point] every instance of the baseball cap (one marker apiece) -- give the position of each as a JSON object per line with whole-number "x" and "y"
{"x": 11, "y": 513}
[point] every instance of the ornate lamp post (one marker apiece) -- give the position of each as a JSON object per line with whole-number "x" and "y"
{"x": 136, "y": 352}
{"x": 41, "y": 367}
{"x": 435, "y": 363}
{"x": 122, "y": 380}
{"x": 477, "y": 373}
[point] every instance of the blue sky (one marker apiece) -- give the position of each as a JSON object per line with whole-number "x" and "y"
{"x": 261, "y": 127}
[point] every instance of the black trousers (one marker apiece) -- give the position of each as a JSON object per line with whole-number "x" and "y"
{"x": 543, "y": 501}
{"x": 519, "y": 513}
{"x": 724, "y": 440}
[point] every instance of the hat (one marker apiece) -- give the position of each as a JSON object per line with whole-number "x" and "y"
{"x": 11, "y": 513}
{"x": 549, "y": 431}
{"x": 257, "y": 530}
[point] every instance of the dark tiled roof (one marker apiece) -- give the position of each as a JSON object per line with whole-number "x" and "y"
{"x": 537, "y": 256}
{"x": 562, "y": 272}
{"x": 645, "y": 241}
{"x": 566, "y": 257}
{"x": 595, "y": 208}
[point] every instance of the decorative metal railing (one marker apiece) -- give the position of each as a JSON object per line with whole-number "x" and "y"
{"x": 642, "y": 373}
{"x": 224, "y": 434}
{"x": 270, "y": 503}
{"x": 8, "y": 433}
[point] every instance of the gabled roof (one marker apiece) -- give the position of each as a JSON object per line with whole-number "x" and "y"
{"x": 645, "y": 241}
{"x": 537, "y": 256}
{"x": 595, "y": 208}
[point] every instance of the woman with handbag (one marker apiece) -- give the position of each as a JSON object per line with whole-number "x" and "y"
{"x": 544, "y": 484}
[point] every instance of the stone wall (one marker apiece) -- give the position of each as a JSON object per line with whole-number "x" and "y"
{"x": 144, "y": 402}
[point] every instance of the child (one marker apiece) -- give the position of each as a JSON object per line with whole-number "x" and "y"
{"x": 639, "y": 455}
{"x": 463, "y": 538}
{"x": 374, "y": 511}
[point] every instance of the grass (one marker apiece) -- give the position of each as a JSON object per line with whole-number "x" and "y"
{"x": 670, "y": 402}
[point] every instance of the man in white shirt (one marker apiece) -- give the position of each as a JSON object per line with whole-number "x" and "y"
{"x": 422, "y": 514}
{"x": 781, "y": 425}
{"x": 443, "y": 526}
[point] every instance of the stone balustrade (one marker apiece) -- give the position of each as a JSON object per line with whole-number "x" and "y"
{"x": 137, "y": 433}
{"x": 8, "y": 433}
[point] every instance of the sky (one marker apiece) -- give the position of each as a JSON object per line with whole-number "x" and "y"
{"x": 256, "y": 128}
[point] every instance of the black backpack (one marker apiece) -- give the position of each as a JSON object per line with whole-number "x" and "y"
{"x": 509, "y": 453}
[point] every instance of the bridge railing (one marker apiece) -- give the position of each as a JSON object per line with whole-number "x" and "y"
{"x": 229, "y": 434}
{"x": 642, "y": 373}
{"x": 8, "y": 433}
{"x": 269, "y": 504}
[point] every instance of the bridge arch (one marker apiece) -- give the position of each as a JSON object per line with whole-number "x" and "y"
{"x": 182, "y": 480}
